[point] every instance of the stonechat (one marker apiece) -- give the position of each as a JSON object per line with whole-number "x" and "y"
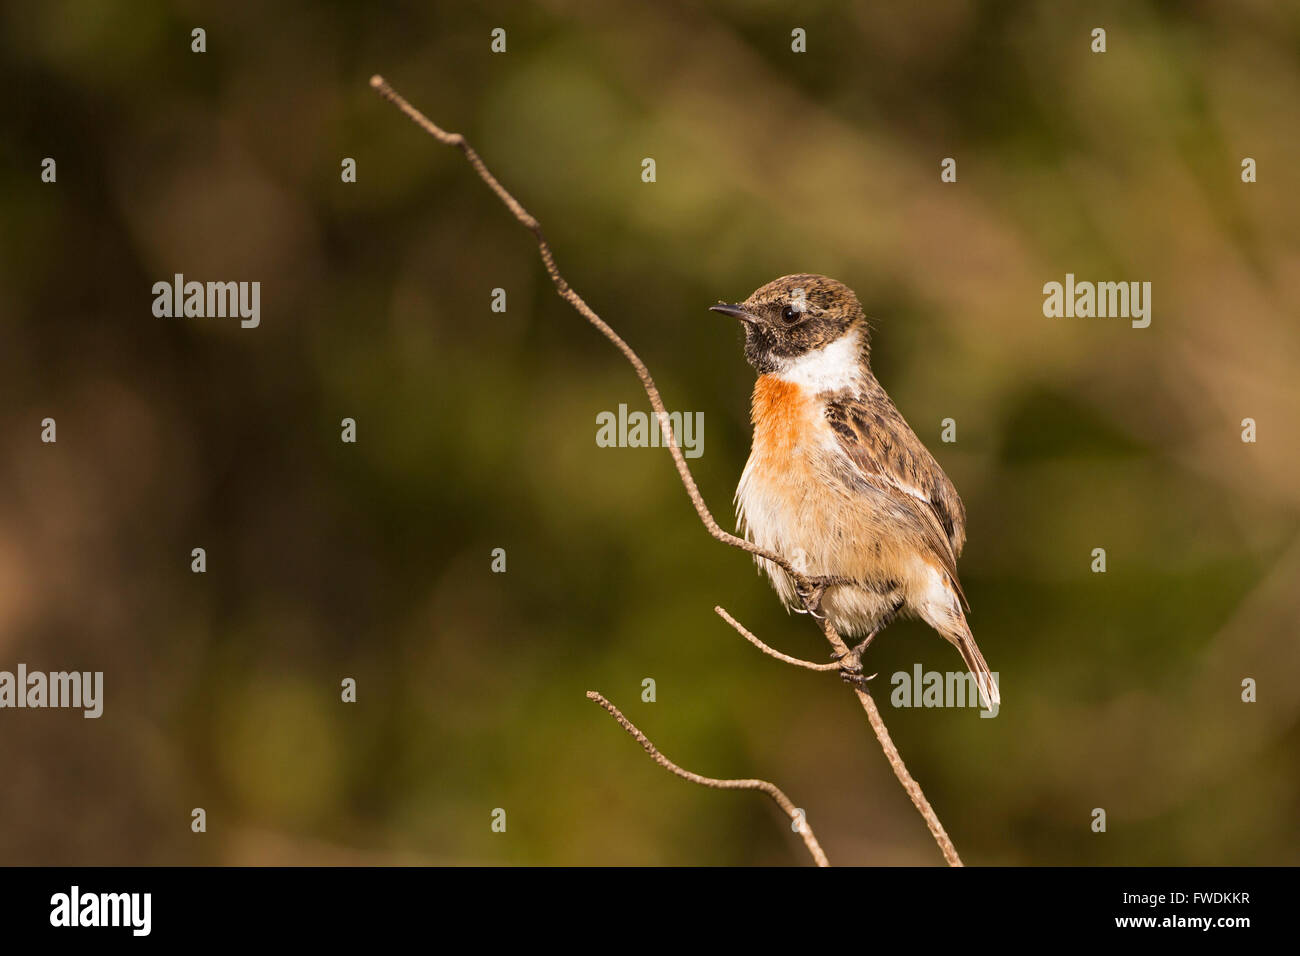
{"x": 838, "y": 485}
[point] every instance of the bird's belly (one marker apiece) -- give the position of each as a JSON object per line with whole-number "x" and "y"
{"x": 791, "y": 510}
{"x": 821, "y": 532}
{"x": 792, "y": 500}
{"x": 781, "y": 500}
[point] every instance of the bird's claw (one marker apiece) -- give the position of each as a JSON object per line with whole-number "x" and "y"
{"x": 851, "y": 664}
{"x": 811, "y": 591}
{"x": 851, "y": 668}
{"x": 857, "y": 679}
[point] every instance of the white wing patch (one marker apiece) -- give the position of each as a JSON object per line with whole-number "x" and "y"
{"x": 876, "y": 478}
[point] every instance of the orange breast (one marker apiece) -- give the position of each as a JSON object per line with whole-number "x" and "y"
{"x": 783, "y": 417}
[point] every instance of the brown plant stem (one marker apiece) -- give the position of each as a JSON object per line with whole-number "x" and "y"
{"x": 877, "y": 723}
{"x": 796, "y": 815}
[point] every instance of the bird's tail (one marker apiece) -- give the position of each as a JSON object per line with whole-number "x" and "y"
{"x": 975, "y": 663}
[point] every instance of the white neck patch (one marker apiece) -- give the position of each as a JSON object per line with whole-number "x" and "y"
{"x": 830, "y": 368}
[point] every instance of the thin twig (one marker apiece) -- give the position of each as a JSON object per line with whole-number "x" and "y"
{"x": 796, "y": 815}
{"x": 895, "y": 758}
{"x": 683, "y": 470}
{"x": 912, "y": 788}
{"x": 575, "y": 300}
{"x": 772, "y": 651}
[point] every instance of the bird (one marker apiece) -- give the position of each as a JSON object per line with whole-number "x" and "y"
{"x": 838, "y": 485}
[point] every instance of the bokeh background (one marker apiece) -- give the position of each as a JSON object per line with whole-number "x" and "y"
{"x": 476, "y": 430}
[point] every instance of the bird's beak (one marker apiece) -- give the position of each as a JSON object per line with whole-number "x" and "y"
{"x": 735, "y": 311}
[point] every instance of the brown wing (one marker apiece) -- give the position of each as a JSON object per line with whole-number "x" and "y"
{"x": 887, "y": 455}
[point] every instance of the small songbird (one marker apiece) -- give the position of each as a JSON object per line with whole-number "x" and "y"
{"x": 838, "y": 485}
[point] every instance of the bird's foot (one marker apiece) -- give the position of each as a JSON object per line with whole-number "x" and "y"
{"x": 859, "y": 681}
{"x": 851, "y": 663}
{"x": 812, "y": 589}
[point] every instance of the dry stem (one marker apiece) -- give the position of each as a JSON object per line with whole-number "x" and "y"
{"x": 796, "y": 815}
{"x": 688, "y": 481}
{"x": 771, "y": 651}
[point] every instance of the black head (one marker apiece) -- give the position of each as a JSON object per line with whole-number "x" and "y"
{"x": 795, "y": 315}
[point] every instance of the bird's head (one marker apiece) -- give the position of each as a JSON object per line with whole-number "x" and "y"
{"x": 795, "y": 318}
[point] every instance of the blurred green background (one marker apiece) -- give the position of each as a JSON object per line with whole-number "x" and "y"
{"x": 476, "y": 430}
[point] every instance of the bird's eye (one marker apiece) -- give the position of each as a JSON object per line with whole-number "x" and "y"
{"x": 790, "y": 315}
